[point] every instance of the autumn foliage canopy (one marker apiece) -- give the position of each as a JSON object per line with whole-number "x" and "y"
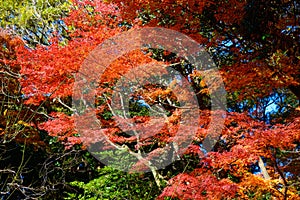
{"x": 255, "y": 48}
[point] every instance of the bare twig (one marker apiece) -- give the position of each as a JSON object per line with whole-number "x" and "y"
{"x": 65, "y": 105}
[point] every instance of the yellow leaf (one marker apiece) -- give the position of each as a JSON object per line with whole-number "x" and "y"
{"x": 23, "y": 123}
{"x": 5, "y": 111}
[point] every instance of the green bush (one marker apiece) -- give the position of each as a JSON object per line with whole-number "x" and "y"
{"x": 115, "y": 184}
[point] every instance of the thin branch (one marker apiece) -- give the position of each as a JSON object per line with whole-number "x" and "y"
{"x": 263, "y": 169}
{"x": 65, "y": 105}
{"x": 41, "y": 113}
{"x": 12, "y": 74}
{"x": 7, "y": 171}
{"x": 138, "y": 155}
{"x": 282, "y": 176}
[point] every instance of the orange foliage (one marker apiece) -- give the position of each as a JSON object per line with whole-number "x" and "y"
{"x": 224, "y": 173}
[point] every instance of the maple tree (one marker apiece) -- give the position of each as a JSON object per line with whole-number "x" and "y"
{"x": 256, "y": 48}
{"x": 253, "y": 66}
{"x": 15, "y": 116}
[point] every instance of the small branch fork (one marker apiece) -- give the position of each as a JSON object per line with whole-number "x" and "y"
{"x": 138, "y": 155}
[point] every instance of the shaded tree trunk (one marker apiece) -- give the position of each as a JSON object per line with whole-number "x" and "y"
{"x": 296, "y": 91}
